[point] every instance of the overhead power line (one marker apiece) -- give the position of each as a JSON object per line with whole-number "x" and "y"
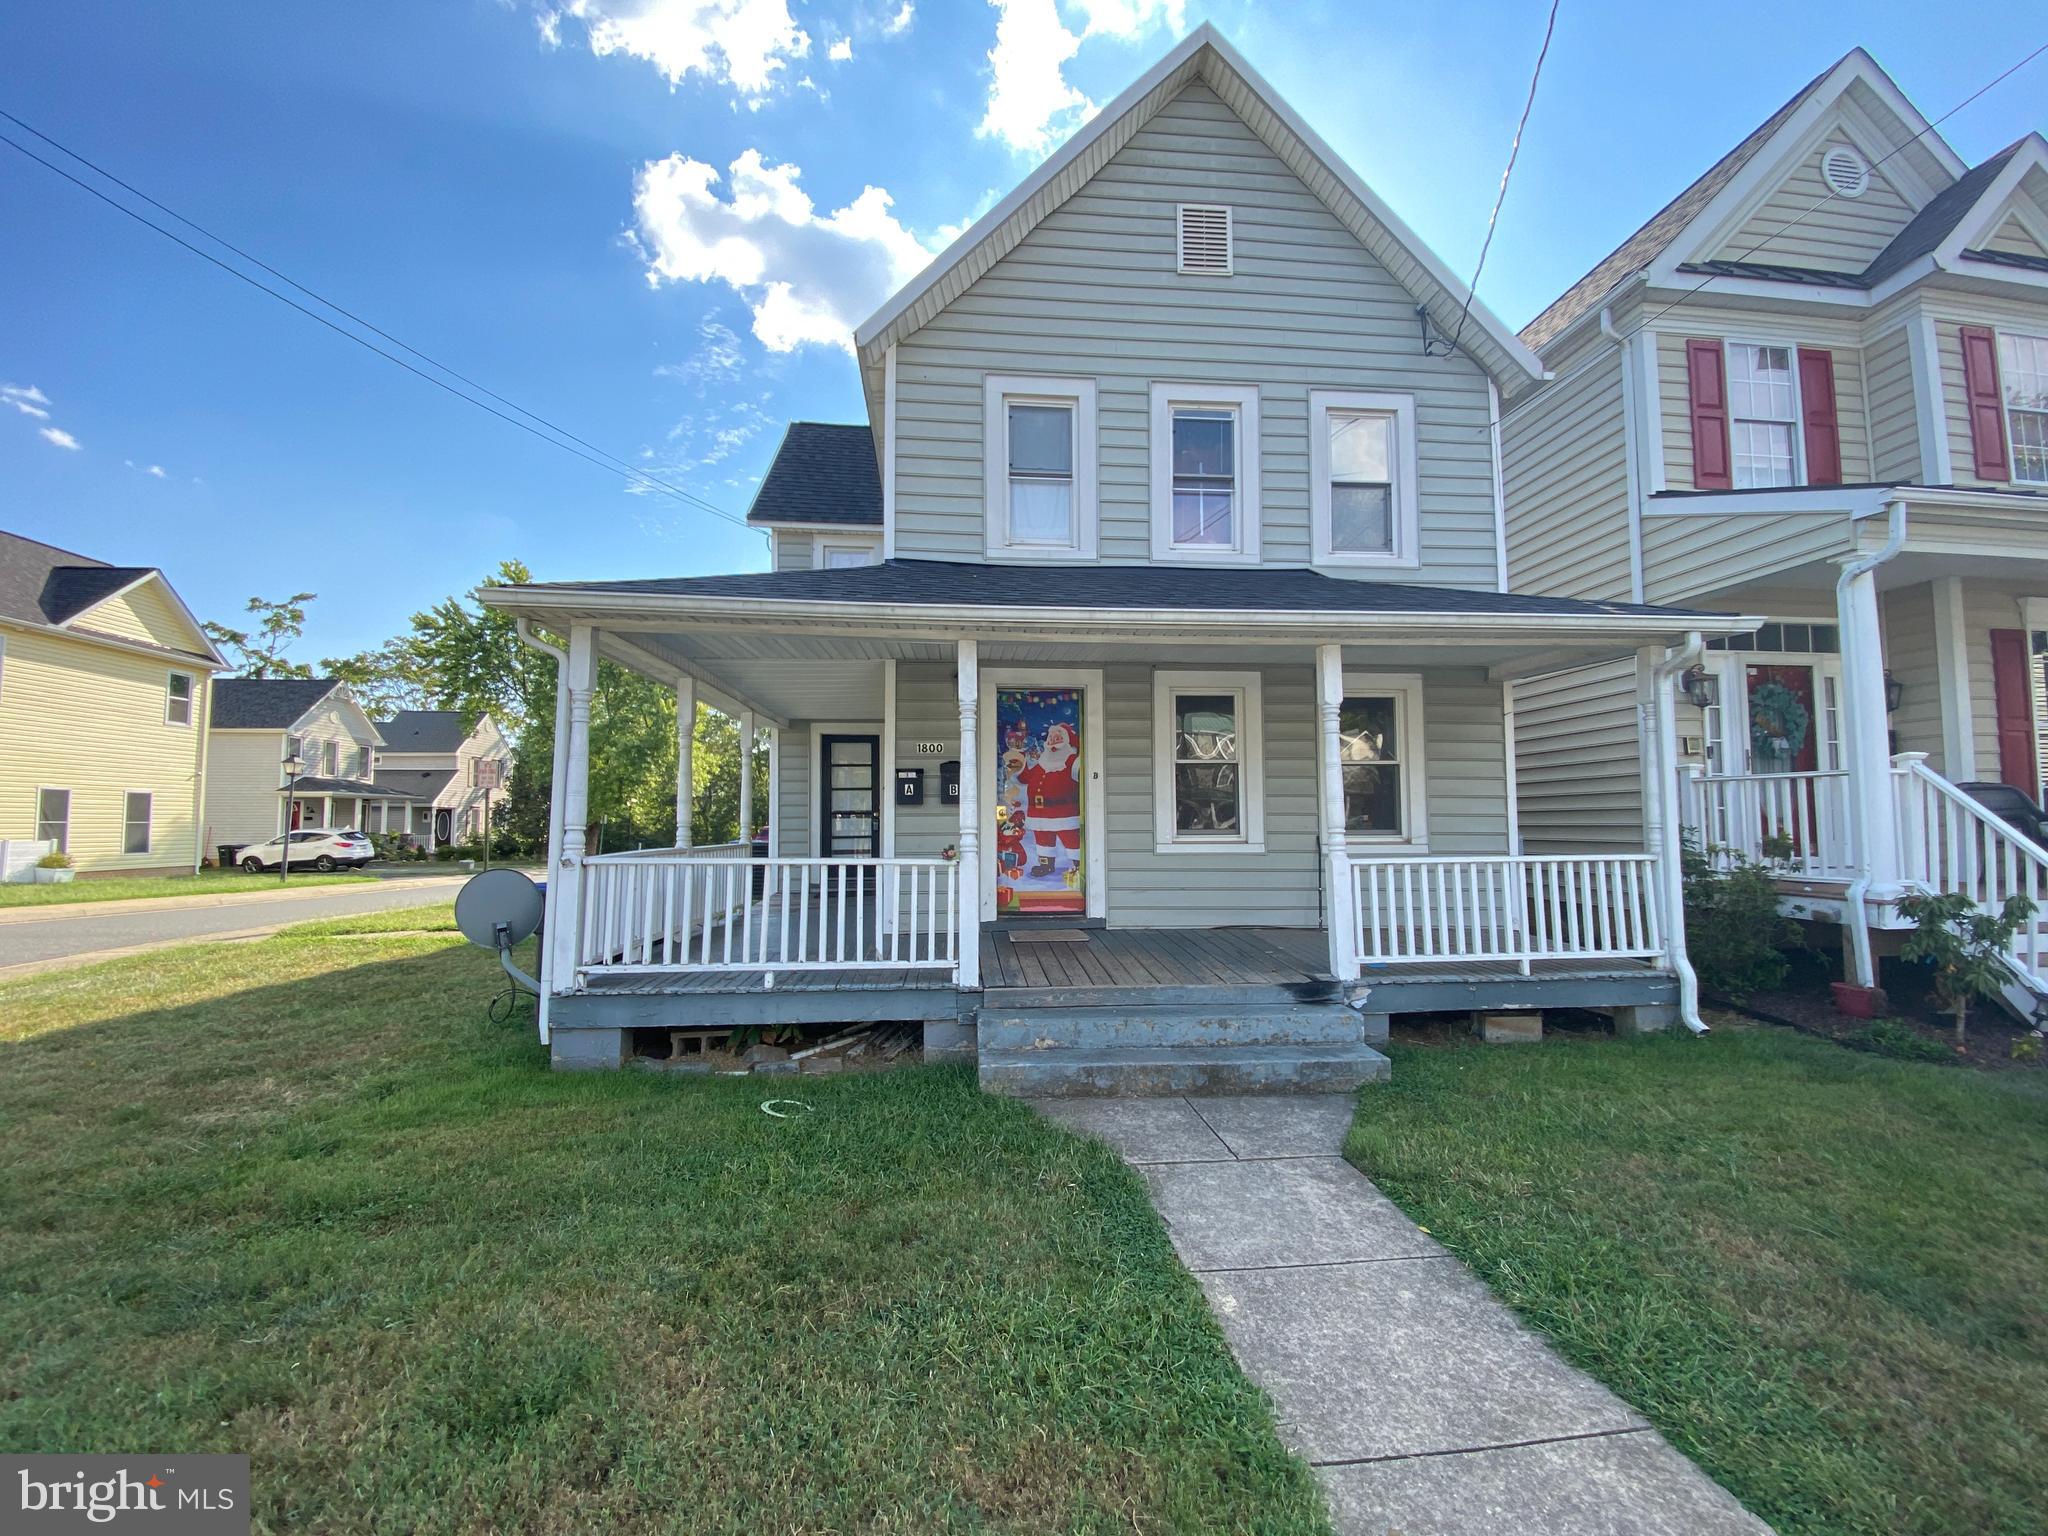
{"x": 535, "y": 424}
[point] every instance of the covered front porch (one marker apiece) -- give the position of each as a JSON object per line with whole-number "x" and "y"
{"x": 971, "y": 813}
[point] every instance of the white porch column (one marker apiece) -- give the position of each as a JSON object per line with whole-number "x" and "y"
{"x": 566, "y": 877}
{"x": 1867, "y": 736}
{"x": 769, "y": 881}
{"x": 1952, "y": 669}
{"x": 746, "y": 817}
{"x": 1342, "y": 919}
{"x": 969, "y": 677}
{"x": 686, "y": 754}
{"x": 885, "y": 773}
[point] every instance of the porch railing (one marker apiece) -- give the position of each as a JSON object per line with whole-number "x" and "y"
{"x": 697, "y": 910}
{"x": 1950, "y": 843}
{"x": 1795, "y": 823}
{"x": 1516, "y": 908}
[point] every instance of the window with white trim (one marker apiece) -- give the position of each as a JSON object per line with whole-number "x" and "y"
{"x": 330, "y": 757}
{"x": 1379, "y": 748}
{"x": 830, "y": 554}
{"x": 1208, "y": 780}
{"x": 178, "y": 700}
{"x": 1763, "y": 415}
{"x": 2023, "y": 371}
{"x": 1205, "y": 472}
{"x": 53, "y": 818}
{"x": 135, "y": 810}
{"x": 1040, "y": 466}
{"x": 1362, "y": 477}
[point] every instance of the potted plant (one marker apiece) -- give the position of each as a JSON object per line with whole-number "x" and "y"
{"x": 54, "y": 869}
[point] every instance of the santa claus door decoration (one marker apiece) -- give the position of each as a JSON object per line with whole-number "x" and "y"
{"x": 1038, "y": 801}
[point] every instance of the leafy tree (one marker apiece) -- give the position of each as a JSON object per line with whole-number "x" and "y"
{"x": 1965, "y": 945}
{"x": 260, "y": 650}
{"x": 384, "y": 680}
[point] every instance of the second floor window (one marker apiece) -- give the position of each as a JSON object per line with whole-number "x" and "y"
{"x": 178, "y": 700}
{"x": 1362, "y": 477}
{"x": 330, "y": 758}
{"x": 2023, "y": 369}
{"x": 1041, "y": 508}
{"x": 1205, "y": 472}
{"x": 1040, "y": 484}
{"x": 1763, "y": 415}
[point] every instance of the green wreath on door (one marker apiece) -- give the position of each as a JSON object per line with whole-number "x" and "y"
{"x": 1778, "y": 722}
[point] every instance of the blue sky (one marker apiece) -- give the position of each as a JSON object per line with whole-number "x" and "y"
{"x": 649, "y": 220}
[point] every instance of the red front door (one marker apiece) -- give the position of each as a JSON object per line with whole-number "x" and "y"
{"x": 2013, "y": 693}
{"x": 1783, "y": 730}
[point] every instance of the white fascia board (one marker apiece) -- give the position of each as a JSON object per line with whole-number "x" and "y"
{"x": 1983, "y": 215}
{"x": 1849, "y": 501}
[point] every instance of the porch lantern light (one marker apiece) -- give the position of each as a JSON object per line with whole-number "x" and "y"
{"x": 1702, "y": 688}
{"x": 1894, "y": 692}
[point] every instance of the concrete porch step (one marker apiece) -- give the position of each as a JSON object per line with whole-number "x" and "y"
{"x": 1151, "y": 1071}
{"x": 1227, "y": 1025}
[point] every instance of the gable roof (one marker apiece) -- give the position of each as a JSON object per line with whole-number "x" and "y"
{"x": 423, "y": 730}
{"x": 42, "y": 584}
{"x": 824, "y": 472}
{"x": 1938, "y": 220}
{"x": 265, "y": 703}
{"x": 1201, "y": 55}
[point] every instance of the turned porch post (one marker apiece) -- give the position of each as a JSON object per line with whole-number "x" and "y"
{"x": 686, "y": 756}
{"x": 968, "y": 971}
{"x": 1341, "y": 917}
{"x": 579, "y": 678}
{"x": 746, "y": 782}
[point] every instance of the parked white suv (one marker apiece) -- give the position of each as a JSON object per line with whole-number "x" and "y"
{"x": 322, "y": 849}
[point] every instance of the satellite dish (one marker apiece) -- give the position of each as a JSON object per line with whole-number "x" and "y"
{"x": 497, "y": 908}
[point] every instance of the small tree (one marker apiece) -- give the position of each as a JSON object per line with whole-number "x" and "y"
{"x": 1965, "y": 945}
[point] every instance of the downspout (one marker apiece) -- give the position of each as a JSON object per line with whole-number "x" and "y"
{"x": 1852, "y": 901}
{"x": 1670, "y": 873}
{"x": 528, "y": 637}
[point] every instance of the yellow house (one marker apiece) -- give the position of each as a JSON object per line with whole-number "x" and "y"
{"x": 105, "y": 679}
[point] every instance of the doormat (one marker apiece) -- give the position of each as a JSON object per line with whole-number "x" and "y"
{"x": 1049, "y": 936}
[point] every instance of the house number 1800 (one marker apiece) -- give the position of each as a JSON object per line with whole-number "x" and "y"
{"x": 931, "y": 749}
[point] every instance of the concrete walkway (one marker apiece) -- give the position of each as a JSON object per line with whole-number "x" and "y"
{"x": 1424, "y": 1404}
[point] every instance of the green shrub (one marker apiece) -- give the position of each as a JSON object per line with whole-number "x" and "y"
{"x": 1898, "y": 1040}
{"x": 54, "y": 860}
{"x": 1733, "y": 929}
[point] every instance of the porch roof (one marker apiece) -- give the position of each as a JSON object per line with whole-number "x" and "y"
{"x": 357, "y": 787}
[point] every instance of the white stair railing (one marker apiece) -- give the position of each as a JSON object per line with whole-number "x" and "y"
{"x": 1797, "y": 823}
{"x": 1518, "y": 908}
{"x": 1950, "y": 843}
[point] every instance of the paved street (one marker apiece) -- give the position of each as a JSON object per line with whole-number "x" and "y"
{"x": 80, "y": 933}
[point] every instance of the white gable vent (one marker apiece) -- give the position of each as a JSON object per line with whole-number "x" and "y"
{"x": 1205, "y": 239}
{"x": 1844, "y": 171}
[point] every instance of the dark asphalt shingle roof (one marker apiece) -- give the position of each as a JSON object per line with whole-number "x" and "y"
{"x": 423, "y": 730}
{"x": 42, "y": 584}
{"x": 2018, "y": 259}
{"x": 1771, "y": 271}
{"x": 1935, "y": 222}
{"x": 1142, "y": 587}
{"x": 320, "y": 786}
{"x": 415, "y": 783}
{"x": 265, "y": 703}
{"x": 824, "y": 472}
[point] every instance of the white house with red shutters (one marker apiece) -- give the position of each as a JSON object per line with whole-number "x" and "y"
{"x": 1813, "y": 387}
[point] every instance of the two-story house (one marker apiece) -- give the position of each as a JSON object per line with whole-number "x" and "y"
{"x": 1140, "y": 671}
{"x": 258, "y": 728}
{"x": 1813, "y": 387}
{"x": 429, "y": 757}
{"x": 104, "y": 685}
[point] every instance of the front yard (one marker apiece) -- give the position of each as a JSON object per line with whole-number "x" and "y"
{"x": 208, "y": 882}
{"x": 1824, "y": 1275}
{"x": 297, "y": 1198}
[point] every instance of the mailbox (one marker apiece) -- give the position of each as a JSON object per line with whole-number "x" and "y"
{"x": 910, "y": 786}
{"x": 949, "y": 782}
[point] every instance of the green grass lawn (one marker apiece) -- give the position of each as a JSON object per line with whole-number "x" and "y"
{"x": 296, "y": 1198}
{"x": 208, "y": 882}
{"x": 1824, "y": 1275}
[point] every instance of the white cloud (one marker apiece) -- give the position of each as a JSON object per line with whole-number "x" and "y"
{"x": 60, "y": 437}
{"x": 840, "y": 51}
{"x": 744, "y": 43}
{"x": 1130, "y": 19}
{"x": 27, "y": 399}
{"x": 808, "y": 278}
{"x": 1030, "y": 103}
{"x": 901, "y": 20}
{"x": 157, "y": 470}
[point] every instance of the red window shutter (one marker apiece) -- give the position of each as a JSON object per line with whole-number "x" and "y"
{"x": 2013, "y": 694}
{"x": 1986, "y": 403}
{"x": 1706, "y": 377}
{"x": 1823, "y": 431}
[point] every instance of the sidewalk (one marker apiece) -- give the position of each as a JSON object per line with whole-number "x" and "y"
{"x": 55, "y": 911}
{"x": 1424, "y": 1404}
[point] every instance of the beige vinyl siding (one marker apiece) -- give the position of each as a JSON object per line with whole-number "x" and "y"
{"x": 1909, "y": 653}
{"x": 332, "y": 721}
{"x": 1688, "y": 556}
{"x": 242, "y": 802}
{"x": 90, "y": 718}
{"x": 2031, "y": 319}
{"x": 1092, "y": 292}
{"x": 1578, "y": 760}
{"x": 2014, "y": 239}
{"x": 1675, "y": 396}
{"x": 1565, "y": 468}
{"x": 1837, "y": 234}
{"x": 146, "y": 613}
{"x": 1894, "y": 417}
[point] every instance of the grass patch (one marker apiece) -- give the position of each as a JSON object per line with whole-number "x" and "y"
{"x": 208, "y": 882}
{"x": 299, "y": 1199}
{"x": 437, "y": 918}
{"x": 1819, "y": 1272}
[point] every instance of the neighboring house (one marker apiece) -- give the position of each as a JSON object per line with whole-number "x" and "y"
{"x": 104, "y": 682}
{"x": 260, "y": 723}
{"x": 1814, "y": 387}
{"x": 1176, "y": 708}
{"x": 428, "y": 757}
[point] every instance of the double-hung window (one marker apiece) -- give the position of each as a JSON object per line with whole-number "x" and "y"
{"x": 330, "y": 757}
{"x": 2023, "y": 370}
{"x": 1205, "y": 472}
{"x": 1208, "y": 768}
{"x": 1362, "y": 477}
{"x": 1040, "y": 481}
{"x": 178, "y": 701}
{"x": 1763, "y": 415}
{"x": 135, "y": 811}
{"x": 53, "y": 818}
{"x": 1379, "y": 745}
